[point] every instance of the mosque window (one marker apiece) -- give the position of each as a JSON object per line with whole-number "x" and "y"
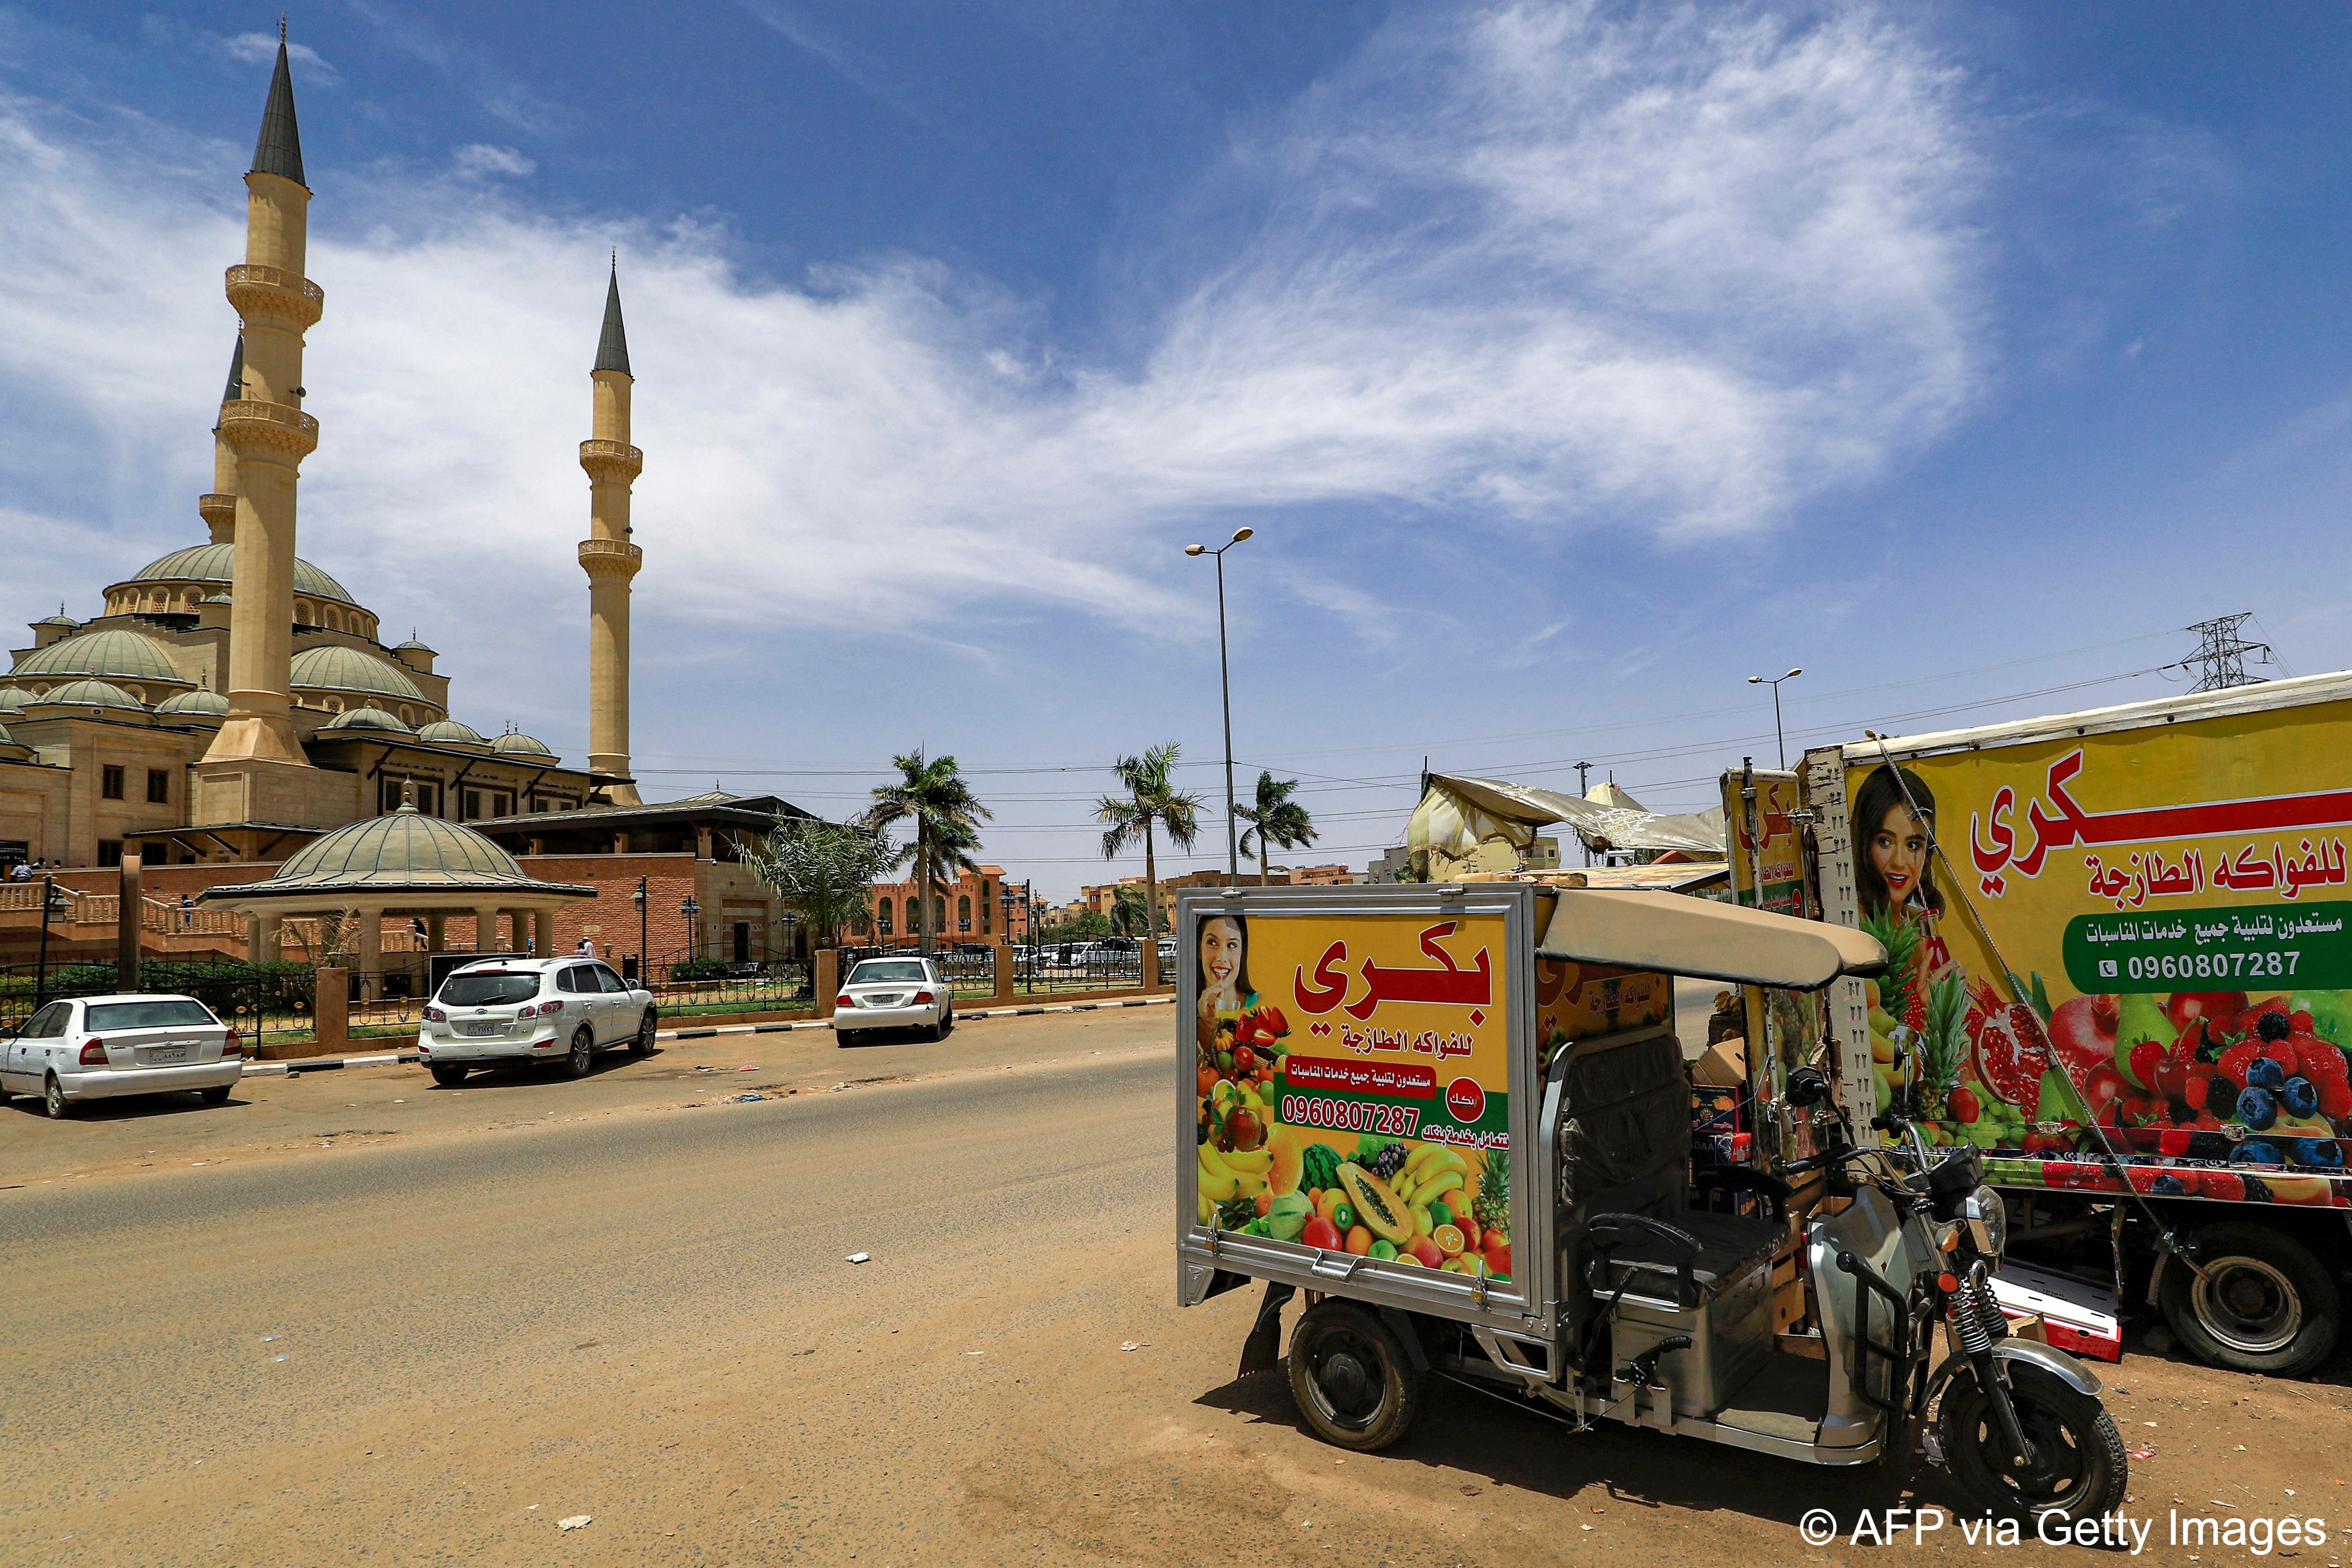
{"x": 110, "y": 851}
{"x": 159, "y": 786}
{"x": 473, "y": 804}
{"x": 110, "y": 783}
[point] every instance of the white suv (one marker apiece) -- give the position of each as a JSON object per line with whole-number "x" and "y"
{"x": 96, "y": 1047}
{"x": 893, "y": 993}
{"x": 508, "y": 1010}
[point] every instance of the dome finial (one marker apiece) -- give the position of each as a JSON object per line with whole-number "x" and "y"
{"x": 407, "y": 796}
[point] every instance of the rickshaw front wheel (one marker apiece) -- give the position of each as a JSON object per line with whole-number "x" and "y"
{"x": 2081, "y": 1469}
{"x": 1355, "y": 1385}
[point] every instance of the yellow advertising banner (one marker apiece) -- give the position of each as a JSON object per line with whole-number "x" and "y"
{"x": 2172, "y": 903}
{"x": 1354, "y": 1084}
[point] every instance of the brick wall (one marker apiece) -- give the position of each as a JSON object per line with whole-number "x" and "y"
{"x": 670, "y": 879}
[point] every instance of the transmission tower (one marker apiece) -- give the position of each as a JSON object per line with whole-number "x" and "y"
{"x": 2219, "y": 661}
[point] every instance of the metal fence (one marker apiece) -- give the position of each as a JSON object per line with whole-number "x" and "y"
{"x": 258, "y": 1000}
{"x": 971, "y": 967}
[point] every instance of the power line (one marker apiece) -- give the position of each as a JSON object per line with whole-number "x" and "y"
{"x": 2220, "y": 662}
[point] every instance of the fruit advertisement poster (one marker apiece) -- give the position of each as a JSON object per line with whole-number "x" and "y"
{"x": 1767, "y": 851}
{"x": 2172, "y": 902}
{"x": 1354, "y": 1085}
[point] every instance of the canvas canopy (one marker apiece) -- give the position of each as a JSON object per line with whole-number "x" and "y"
{"x": 1664, "y": 932}
{"x": 1458, "y": 815}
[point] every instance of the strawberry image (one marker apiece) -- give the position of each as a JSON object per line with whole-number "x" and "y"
{"x": 2223, "y": 1185}
{"x": 2315, "y": 1058}
{"x": 2235, "y": 1060}
{"x": 2335, "y": 1098}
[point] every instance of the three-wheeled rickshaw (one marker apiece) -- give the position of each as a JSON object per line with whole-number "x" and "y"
{"x": 1457, "y": 1118}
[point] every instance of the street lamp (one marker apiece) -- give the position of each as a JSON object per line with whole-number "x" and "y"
{"x": 688, "y": 908}
{"x": 1226, "y": 686}
{"x": 639, "y": 899}
{"x": 1774, "y": 681}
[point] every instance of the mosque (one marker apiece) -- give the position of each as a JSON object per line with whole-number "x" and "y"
{"x": 232, "y": 702}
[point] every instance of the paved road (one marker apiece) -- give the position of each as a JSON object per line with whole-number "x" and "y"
{"x": 432, "y": 1346}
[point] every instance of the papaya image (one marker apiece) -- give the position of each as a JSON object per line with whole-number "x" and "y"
{"x": 1376, "y": 1205}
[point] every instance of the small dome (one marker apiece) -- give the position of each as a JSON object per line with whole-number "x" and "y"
{"x": 213, "y": 599}
{"x": 210, "y": 563}
{"x": 93, "y": 694}
{"x": 196, "y": 701}
{"x": 14, "y": 698}
{"x": 402, "y": 852}
{"x": 449, "y": 732}
{"x": 60, "y": 619}
{"x": 411, "y": 646}
{"x": 521, "y": 744}
{"x": 117, "y": 654}
{"x": 336, "y": 668}
{"x": 365, "y": 719}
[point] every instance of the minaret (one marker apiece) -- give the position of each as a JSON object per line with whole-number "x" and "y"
{"x": 219, "y": 508}
{"x": 270, "y": 435}
{"x": 606, "y": 555}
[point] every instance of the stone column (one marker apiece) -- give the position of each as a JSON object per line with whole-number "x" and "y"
{"x": 1151, "y": 963}
{"x": 371, "y": 954}
{"x": 331, "y": 1009}
{"x": 129, "y": 906}
{"x": 436, "y": 934}
{"x": 828, "y": 979}
{"x": 261, "y": 939}
{"x": 485, "y": 931}
{"x": 542, "y": 928}
{"x": 1005, "y": 958}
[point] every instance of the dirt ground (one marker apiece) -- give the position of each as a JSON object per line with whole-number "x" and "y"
{"x": 357, "y": 1318}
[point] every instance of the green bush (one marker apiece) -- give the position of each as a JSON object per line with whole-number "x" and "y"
{"x": 700, "y": 970}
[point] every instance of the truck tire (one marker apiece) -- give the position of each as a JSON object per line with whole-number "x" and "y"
{"x": 2265, "y": 1303}
{"x": 1354, "y": 1385}
{"x": 448, "y": 1074}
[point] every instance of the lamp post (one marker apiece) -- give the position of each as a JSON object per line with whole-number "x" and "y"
{"x": 690, "y": 908}
{"x": 1225, "y": 687}
{"x": 644, "y": 976}
{"x": 48, "y": 912}
{"x": 1774, "y": 681}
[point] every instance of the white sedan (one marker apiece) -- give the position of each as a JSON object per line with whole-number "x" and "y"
{"x": 893, "y": 993}
{"x": 93, "y": 1048}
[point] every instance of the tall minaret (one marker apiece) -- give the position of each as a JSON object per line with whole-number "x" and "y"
{"x": 270, "y": 435}
{"x": 606, "y": 555}
{"x": 219, "y": 506}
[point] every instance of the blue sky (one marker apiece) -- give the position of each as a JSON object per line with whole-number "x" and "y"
{"x": 1573, "y": 362}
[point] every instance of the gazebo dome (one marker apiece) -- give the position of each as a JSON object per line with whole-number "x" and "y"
{"x": 204, "y": 702}
{"x": 522, "y": 745}
{"x": 449, "y": 732}
{"x": 366, "y": 718}
{"x": 402, "y": 853}
{"x": 117, "y": 654}
{"x": 92, "y": 694}
{"x": 336, "y": 668}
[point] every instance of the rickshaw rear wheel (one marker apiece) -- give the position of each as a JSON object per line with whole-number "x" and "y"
{"x": 2083, "y": 1471}
{"x": 1354, "y": 1383}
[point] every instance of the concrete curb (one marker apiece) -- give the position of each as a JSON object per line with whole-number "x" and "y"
{"x": 294, "y": 1067}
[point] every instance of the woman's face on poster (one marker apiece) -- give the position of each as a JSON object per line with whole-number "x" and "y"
{"x": 1899, "y": 852}
{"x": 1221, "y": 952}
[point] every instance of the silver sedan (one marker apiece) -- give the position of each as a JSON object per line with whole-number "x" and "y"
{"x": 93, "y": 1048}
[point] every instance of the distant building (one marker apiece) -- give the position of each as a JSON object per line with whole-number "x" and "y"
{"x": 1389, "y": 866}
{"x": 969, "y": 909}
{"x": 1320, "y": 875}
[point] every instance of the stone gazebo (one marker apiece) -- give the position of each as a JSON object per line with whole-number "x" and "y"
{"x": 408, "y": 865}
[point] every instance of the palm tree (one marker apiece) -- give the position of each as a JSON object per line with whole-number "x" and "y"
{"x": 1151, "y": 801}
{"x": 934, "y": 797}
{"x": 1275, "y": 819}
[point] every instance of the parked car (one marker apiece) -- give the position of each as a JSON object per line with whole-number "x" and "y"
{"x": 893, "y": 993}
{"x": 97, "y": 1048}
{"x": 508, "y": 1010}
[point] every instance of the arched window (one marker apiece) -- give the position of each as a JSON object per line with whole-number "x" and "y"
{"x": 335, "y": 620}
{"x": 938, "y": 912}
{"x": 407, "y": 714}
{"x": 964, "y": 913}
{"x": 882, "y": 917}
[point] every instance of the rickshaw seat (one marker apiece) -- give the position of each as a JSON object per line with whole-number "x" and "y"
{"x": 1650, "y": 1259}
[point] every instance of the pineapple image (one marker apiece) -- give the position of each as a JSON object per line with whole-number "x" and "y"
{"x": 1492, "y": 1207}
{"x": 1943, "y": 1050}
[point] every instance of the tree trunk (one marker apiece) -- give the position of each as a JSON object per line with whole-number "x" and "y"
{"x": 1265, "y": 864}
{"x": 923, "y": 885}
{"x": 1150, "y": 887}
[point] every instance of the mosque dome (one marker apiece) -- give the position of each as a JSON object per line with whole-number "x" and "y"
{"x": 336, "y": 668}
{"x": 117, "y": 654}
{"x": 523, "y": 744}
{"x": 209, "y": 703}
{"x": 210, "y": 563}
{"x": 14, "y": 698}
{"x": 449, "y": 732}
{"x": 92, "y": 694}
{"x": 366, "y": 718}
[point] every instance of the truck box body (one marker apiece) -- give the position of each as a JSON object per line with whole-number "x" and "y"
{"x": 2114, "y": 900}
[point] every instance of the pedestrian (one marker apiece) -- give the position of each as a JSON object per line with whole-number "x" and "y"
{"x": 187, "y": 912}
{"x": 587, "y": 948}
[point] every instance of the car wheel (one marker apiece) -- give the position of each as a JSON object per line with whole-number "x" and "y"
{"x": 448, "y": 1074}
{"x": 844, "y": 1037}
{"x": 947, "y": 1024}
{"x": 643, "y": 1044}
{"x": 2264, "y": 1302}
{"x": 6, "y": 1094}
{"x": 216, "y": 1096}
{"x": 584, "y": 1054}
{"x": 1354, "y": 1385}
{"x": 54, "y": 1101}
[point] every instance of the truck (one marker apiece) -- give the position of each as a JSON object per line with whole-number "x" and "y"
{"x": 2120, "y": 966}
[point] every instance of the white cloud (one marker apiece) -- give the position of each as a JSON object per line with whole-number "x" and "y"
{"x": 479, "y": 158}
{"x": 1532, "y": 269}
{"x": 261, "y": 48}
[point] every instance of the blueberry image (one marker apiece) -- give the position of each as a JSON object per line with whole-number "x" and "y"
{"x": 2258, "y": 1152}
{"x": 2324, "y": 1152}
{"x": 2262, "y": 1072}
{"x": 2257, "y": 1108}
{"x": 2298, "y": 1097}
{"x": 2169, "y": 1187}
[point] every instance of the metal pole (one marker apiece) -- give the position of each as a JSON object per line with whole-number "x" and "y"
{"x": 645, "y": 971}
{"x": 41, "y": 975}
{"x": 1779, "y": 741}
{"x": 1225, "y": 686}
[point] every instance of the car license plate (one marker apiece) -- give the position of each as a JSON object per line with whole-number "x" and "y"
{"x": 486, "y": 1029}
{"x": 164, "y": 1055}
